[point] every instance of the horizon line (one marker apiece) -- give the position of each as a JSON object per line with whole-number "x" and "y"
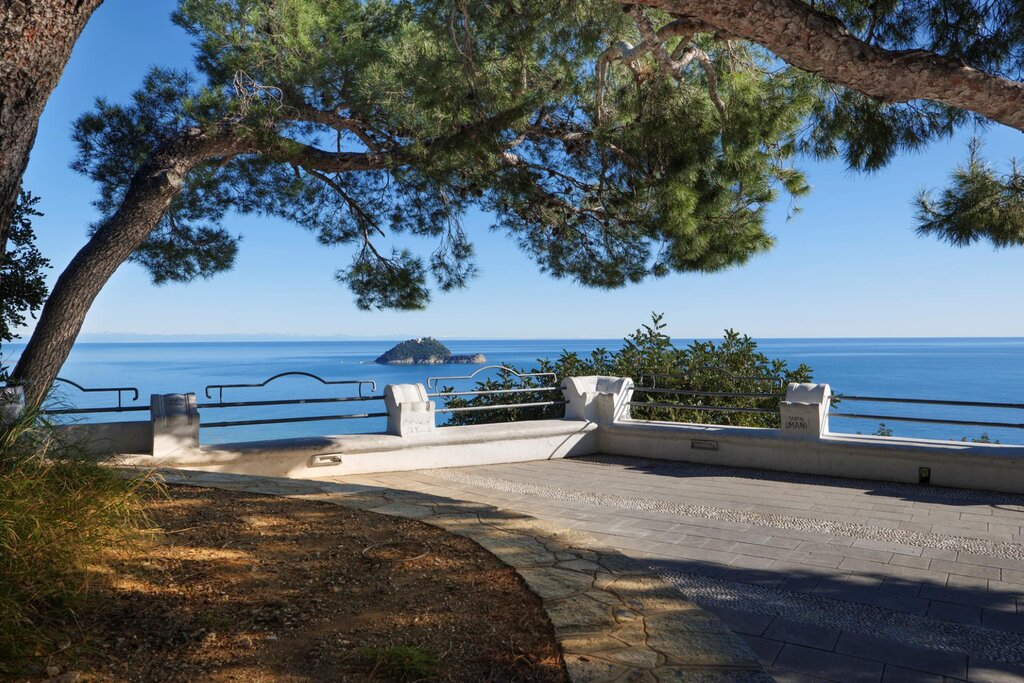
{"x": 142, "y": 338}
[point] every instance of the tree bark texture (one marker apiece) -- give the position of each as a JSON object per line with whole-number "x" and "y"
{"x": 820, "y": 43}
{"x": 153, "y": 188}
{"x": 36, "y": 38}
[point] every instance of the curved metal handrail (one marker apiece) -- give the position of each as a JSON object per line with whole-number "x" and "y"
{"x": 221, "y": 387}
{"x": 119, "y": 390}
{"x": 432, "y": 381}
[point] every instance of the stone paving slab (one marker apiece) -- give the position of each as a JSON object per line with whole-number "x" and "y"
{"x": 614, "y": 619}
{"x": 827, "y": 579}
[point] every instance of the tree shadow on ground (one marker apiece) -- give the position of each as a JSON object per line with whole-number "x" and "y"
{"x": 243, "y": 586}
{"x": 907, "y": 492}
{"x": 810, "y": 622}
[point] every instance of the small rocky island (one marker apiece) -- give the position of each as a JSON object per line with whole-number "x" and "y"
{"x": 425, "y": 351}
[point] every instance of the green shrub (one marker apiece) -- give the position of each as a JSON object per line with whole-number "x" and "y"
{"x": 59, "y": 511}
{"x": 731, "y": 366}
{"x": 984, "y": 438}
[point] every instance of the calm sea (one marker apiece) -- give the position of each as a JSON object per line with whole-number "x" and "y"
{"x": 959, "y": 369}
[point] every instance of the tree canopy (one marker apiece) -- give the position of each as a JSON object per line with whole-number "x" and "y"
{"x": 357, "y": 118}
{"x": 610, "y": 145}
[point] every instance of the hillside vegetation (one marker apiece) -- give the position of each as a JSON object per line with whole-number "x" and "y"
{"x": 425, "y": 351}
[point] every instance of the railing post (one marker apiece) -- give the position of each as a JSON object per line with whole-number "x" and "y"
{"x": 12, "y": 402}
{"x": 598, "y": 399}
{"x": 804, "y": 410}
{"x": 409, "y": 410}
{"x": 175, "y": 420}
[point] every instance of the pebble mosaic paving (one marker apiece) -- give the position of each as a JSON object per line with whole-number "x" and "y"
{"x": 812, "y": 524}
{"x": 826, "y": 579}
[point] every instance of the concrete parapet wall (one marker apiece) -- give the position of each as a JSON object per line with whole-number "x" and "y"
{"x": 597, "y": 421}
{"x": 942, "y": 463}
{"x": 363, "y": 453}
{"x": 109, "y": 438}
{"x": 980, "y": 466}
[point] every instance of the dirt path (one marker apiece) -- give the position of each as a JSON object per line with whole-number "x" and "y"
{"x": 243, "y": 587}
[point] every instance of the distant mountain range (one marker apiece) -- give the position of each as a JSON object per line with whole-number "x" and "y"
{"x": 123, "y": 337}
{"x": 118, "y": 337}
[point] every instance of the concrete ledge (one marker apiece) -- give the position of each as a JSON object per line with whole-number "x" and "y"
{"x": 964, "y": 465}
{"x": 109, "y": 438}
{"x": 362, "y": 453}
{"x": 993, "y": 467}
{"x": 614, "y": 619}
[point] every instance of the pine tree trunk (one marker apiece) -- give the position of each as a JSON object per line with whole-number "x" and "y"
{"x": 152, "y": 189}
{"x": 36, "y": 38}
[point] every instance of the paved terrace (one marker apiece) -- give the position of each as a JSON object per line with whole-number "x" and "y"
{"x": 826, "y": 579}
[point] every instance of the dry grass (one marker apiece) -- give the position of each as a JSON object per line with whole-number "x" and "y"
{"x": 58, "y": 512}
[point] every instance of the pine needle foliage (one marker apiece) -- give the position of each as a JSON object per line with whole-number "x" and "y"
{"x": 22, "y": 269}
{"x": 378, "y": 125}
{"x": 980, "y": 204}
{"x": 452, "y": 107}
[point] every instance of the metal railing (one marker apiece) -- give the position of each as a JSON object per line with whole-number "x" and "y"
{"x": 649, "y": 387}
{"x": 930, "y": 420}
{"x": 432, "y": 384}
{"x": 221, "y": 403}
{"x": 294, "y": 373}
{"x": 773, "y": 382}
{"x": 119, "y": 408}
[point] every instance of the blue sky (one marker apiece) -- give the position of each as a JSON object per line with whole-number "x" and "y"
{"x": 848, "y": 265}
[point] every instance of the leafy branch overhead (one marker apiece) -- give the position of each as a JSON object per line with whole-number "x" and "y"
{"x": 360, "y": 121}
{"x": 612, "y": 146}
{"x": 979, "y": 203}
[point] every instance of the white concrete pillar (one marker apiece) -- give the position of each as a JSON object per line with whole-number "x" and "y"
{"x": 12, "y": 402}
{"x": 804, "y": 411}
{"x": 409, "y": 410}
{"x": 175, "y": 421}
{"x": 598, "y": 399}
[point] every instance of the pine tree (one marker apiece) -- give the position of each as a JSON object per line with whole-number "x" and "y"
{"x": 611, "y": 146}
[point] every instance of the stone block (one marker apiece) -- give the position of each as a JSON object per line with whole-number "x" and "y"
{"x": 552, "y": 583}
{"x": 175, "y": 421}
{"x": 409, "y": 410}
{"x": 804, "y": 411}
{"x": 598, "y": 399}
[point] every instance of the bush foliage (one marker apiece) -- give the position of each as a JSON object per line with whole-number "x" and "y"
{"x": 727, "y": 367}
